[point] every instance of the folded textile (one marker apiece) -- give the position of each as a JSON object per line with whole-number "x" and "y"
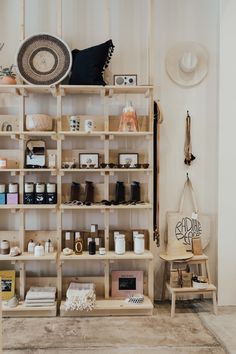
{"x": 80, "y": 297}
{"x": 39, "y": 304}
{"x": 45, "y": 292}
{"x": 28, "y": 301}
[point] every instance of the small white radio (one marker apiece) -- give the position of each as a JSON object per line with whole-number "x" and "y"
{"x": 125, "y": 80}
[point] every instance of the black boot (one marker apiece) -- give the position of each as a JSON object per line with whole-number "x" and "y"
{"x": 89, "y": 192}
{"x": 135, "y": 192}
{"x": 120, "y": 192}
{"x": 75, "y": 191}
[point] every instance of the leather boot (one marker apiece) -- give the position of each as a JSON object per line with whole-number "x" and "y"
{"x": 75, "y": 191}
{"x": 135, "y": 192}
{"x": 89, "y": 192}
{"x": 120, "y": 192}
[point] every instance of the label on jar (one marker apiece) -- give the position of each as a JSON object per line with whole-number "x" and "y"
{"x": 2, "y": 188}
{"x": 29, "y": 187}
{"x": 40, "y": 188}
{"x": 13, "y": 188}
{"x": 51, "y": 187}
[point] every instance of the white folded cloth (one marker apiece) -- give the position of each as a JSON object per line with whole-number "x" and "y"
{"x": 39, "y": 304}
{"x": 80, "y": 297}
{"x": 44, "y": 292}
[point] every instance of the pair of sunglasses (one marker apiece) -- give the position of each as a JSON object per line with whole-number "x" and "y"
{"x": 78, "y": 202}
{"x": 91, "y": 165}
{"x": 114, "y": 165}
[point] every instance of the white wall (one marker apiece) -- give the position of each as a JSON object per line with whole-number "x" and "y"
{"x": 227, "y": 156}
{"x": 173, "y": 21}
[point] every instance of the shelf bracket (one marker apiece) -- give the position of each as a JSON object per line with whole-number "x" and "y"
{"x": 23, "y": 92}
{"x": 110, "y": 93}
{"x": 103, "y": 92}
{"x": 111, "y": 137}
{"x": 54, "y": 90}
{"x": 147, "y": 94}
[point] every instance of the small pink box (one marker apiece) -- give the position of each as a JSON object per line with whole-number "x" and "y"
{"x": 12, "y": 198}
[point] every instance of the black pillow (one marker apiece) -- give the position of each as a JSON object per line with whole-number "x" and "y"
{"x": 89, "y": 64}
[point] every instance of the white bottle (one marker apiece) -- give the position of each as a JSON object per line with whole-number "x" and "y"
{"x": 139, "y": 243}
{"x": 120, "y": 244}
{"x": 31, "y": 246}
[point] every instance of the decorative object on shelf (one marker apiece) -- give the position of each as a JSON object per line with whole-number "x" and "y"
{"x": 51, "y": 193}
{"x": 89, "y": 192}
{"x": 67, "y": 251}
{"x": 69, "y": 239}
{"x": 187, "y": 144}
{"x": 138, "y": 243}
{"x": 52, "y": 161}
{"x": 88, "y": 160}
{"x": 7, "y": 76}
{"x": 15, "y": 251}
{"x": 7, "y": 283}
{"x": 4, "y": 247}
{"x": 78, "y": 243}
{"x": 128, "y": 159}
{"x": 13, "y": 302}
{"x": 200, "y": 282}
{"x": 125, "y": 283}
{"x": 185, "y": 226}
{"x": 187, "y": 63}
{"x": 197, "y": 246}
{"x": 74, "y": 123}
{"x": 89, "y": 125}
{"x": 129, "y": 120}
{"x": 48, "y": 247}
{"x": 102, "y": 251}
{"x": 92, "y": 246}
{"x": 120, "y": 192}
{"x": 38, "y": 122}
{"x": 75, "y": 191}
{"x": 31, "y": 246}
{"x": 89, "y": 64}
{"x": 43, "y": 59}
{"x": 6, "y": 127}
{"x": 39, "y": 250}
{"x": 176, "y": 251}
{"x": 2, "y": 194}
{"x": 29, "y": 195}
{"x": 136, "y": 299}
{"x": 39, "y": 296}
{"x": 94, "y": 230}
{"x": 40, "y": 196}
{"x": 120, "y": 244}
{"x": 180, "y": 278}
{"x": 125, "y": 165}
{"x": 80, "y": 297}
{"x": 68, "y": 164}
{"x": 3, "y": 162}
{"x": 135, "y": 192}
{"x": 35, "y": 154}
{"x": 125, "y": 80}
{"x": 13, "y": 194}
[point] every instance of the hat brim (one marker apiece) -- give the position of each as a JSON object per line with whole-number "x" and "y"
{"x": 167, "y": 257}
{"x": 179, "y": 76}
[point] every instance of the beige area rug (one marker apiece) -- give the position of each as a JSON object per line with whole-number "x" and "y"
{"x": 111, "y": 335}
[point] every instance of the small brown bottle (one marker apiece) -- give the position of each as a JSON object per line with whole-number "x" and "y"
{"x": 78, "y": 243}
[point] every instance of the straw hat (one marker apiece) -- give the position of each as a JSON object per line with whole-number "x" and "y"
{"x": 176, "y": 251}
{"x": 187, "y": 63}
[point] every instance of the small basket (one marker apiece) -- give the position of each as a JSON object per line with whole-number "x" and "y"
{"x": 38, "y": 122}
{"x": 198, "y": 285}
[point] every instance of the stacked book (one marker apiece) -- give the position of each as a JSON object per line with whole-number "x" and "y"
{"x": 38, "y": 296}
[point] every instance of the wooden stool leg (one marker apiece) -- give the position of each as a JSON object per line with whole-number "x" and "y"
{"x": 208, "y": 272}
{"x": 214, "y": 303}
{"x": 173, "y": 298}
{"x": 164, "y": 281}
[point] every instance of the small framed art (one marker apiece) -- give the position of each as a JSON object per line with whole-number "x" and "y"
{"x": 125, "y": 283}
{"x": 88, "y": 160}
{"x": 7, "y": 284}
{"x": 128, "y": 158}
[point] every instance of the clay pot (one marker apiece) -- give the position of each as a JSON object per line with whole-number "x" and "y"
{"x": 7, "y": 80}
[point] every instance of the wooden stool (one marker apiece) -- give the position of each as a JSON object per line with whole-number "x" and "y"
{"x": 202, "y": 263}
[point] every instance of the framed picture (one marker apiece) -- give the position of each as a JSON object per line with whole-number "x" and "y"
{"x": 125, "y": 283}
{"x": 7, "y": 284}
{"x": 128, "y": 158}
{"x": 88, "y": 160}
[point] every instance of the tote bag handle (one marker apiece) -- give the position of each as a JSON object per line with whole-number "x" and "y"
{"x": 188, "y": 184}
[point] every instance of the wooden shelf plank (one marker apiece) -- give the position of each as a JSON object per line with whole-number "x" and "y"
{"x": 26, "y": 89}
{"x": 108, "y": 256}
{"x": 37, "y": 170}
{"x": 93, "y": 89}
{"x": 105, "y": 207}
{"x": 106, "y": 170}
{"x": 38, "y": 206}
{"x": 39, "y": 133}
{"x": 25, "y": 311}
{"x": 99, "y": 133}
{"x": 112, "y": 307}
{"x": 25, "y": 256}
{"x": 189, "y": 290}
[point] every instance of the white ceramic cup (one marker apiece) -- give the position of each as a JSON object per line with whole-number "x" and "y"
{"x": 89, "y": 125}
{"x": 74, "y": 123}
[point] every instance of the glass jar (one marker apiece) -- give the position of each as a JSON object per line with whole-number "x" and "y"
{"x": 139, "y": 244}
{"x": 120, "y": 244}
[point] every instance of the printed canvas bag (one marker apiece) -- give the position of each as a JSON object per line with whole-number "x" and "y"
{"x": 184, "y": 226}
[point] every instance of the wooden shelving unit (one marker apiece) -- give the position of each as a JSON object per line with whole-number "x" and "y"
{"x": 106, "y": 140}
